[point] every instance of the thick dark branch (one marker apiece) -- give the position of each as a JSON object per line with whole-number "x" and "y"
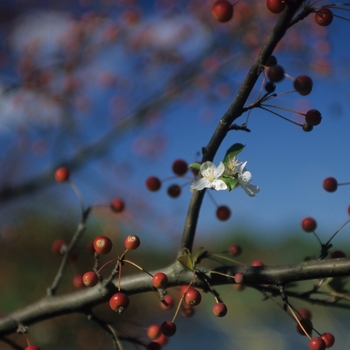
{"x": 235, "y": 110}
{"x": 83, "y": 301}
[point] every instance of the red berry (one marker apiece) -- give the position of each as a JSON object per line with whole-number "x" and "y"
{"x": 313, "y": 117}
{"x": 119, "y": 302}
{"x": 174, "y": 191}
{"x": 303, "y": 84}
{"x": 132, "y": 242}
{"x": 222, "y": 10}
{"x": 153, "y": 331}
{"x": 272, "y": 61}
{"x": 180, "y": 167}
{"x": 187, "y": 311}
{"x": 239, "y": 277}
{"x": 58, "y": 247}
{"x": 117, "y": 205}
{"x": 324, "y": 17}
{"x": 102, "y": 245}
{"x": 307, "y": 127}
{"x": 223, "y": 213}
{"x": 90, "y": 279}
{"x": 317, "y": 344}
{"x": 276, "y": 73}
{"x": 276, "y": 6}
{"x": 305, "y": 314}
{"x": 219, "y": 310}
{"x": 338, "y": 254}
{"x": 235, "y": 250}
{"x": 329, "y": 339}
{"x": 162, "y": 340}
{"x": 309, "y": 224}
{"x": 307, "y": 325}
{"x": 193, "y": 297}
{"x": 32, "y": 347}
{"x": 78, "y": 281}
{"x": 257, "y": 263}
{"x": 183, "y": 290}
{"x": 330, "y": 184}
{"x": 167, "y": 302}
{"x": 62, "y": 174}
{"x": 154, "y": 346}
{"x": 168, "y": 328}
{"x": 153, "y": 183}
{"x": 160, "y": 280}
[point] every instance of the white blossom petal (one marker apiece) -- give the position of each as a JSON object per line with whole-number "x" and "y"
{"x": 200, "y": 184}
{"x": 244, "y": 178}
{"x": 219, "y": 170}
{"x": 219, "y": 185}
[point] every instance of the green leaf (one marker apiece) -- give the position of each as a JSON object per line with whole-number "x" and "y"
{"x": 232, "y": 152}
{"x": 198, "y": 255}
{"x": 231, "y": 182}
{"x": 195, "y": 166}
{"x": 186, "y": 260}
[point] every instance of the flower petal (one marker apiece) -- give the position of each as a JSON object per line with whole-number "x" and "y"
{"x": 200, "y": 184}
{"x": 219, "y": 185}
{"x": 219, "y": 170}
{"x": 207, "y": 166}
{"x": 244, "y": 177}
{"x": 251, "y": 190}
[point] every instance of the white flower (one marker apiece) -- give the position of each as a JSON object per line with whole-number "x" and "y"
{"x": 244, "y": 178}
{"x": 210, "y": 177}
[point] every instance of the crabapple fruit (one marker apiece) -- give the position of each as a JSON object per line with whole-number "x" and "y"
{"x": 317, "y": 343}
{"x": 187, "y": 311}
{"x": 338, "y": 254}
{"x": 174, "y": 191}
{"x": 58, "y": 247}
{"x": 239, "y": 277}
{"x": 330, "y": 184}
{"x": 329, "y": 339}
{"x": 154, "y": 346}
{"x": 119, "y": 302}
{"x": 32, "y": 347}
{"x": 324, "y": 17}
{"x": 222, "y": 10}
{"x": 62, "y": 174}
{"x": 153, "y": 183}
{"x": 309, "y": 224}
{"x": 306, "y": 326}
{"x": 78, "y": 281}
{"x": 235, "y": 250}
{"x": 223, "y": 213}
{"x": 257, "y": 263}
{"x": 167, "y": 303}
{"x": 313, "y": 117}
{"x": 160, "y": 280}
{"x": 219, "y": 309}
{"x": 117, "y": 205}
{"x": 102, "y": 245}
{"x": 303, "y": 84}
{"x": 307, "y": 127}
{"x": 193, "y": 297}
{"x": 180, "y": 167}
{"x": 168, "y": 328}
{"x": 153, "y": 331}
{"x": 132, "y": 242}
{"x": 276, "y": 6}
{"x": 276, "y": 73}
{"x": 90, "y": 279}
